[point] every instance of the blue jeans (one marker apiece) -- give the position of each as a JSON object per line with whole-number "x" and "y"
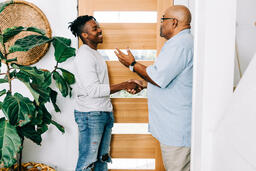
{"x": 94, "y": 140}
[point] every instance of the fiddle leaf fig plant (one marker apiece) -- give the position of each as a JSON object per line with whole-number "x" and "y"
{"x": 29, "y": 117}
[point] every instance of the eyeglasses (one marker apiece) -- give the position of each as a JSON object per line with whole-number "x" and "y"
{"x": 162, "y": 19}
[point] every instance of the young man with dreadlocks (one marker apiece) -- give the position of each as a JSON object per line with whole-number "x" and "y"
{"x": 93, "y": 110}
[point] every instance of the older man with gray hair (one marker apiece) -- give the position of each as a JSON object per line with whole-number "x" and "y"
{"x": 170, "y": 88}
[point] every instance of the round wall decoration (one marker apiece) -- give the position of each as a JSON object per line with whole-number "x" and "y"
{"x": 22, "y": 13}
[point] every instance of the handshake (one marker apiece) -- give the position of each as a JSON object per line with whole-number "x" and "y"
{"x": 135, "y": 86}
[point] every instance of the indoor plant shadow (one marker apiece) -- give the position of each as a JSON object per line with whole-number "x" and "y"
{"x": 26, "y": 118}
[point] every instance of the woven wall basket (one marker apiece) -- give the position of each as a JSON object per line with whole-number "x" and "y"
{"x": 25, "y": 14}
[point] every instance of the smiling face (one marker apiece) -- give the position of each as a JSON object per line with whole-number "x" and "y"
{"x": 94, "y": 31}
{"x": 92, "y": 34}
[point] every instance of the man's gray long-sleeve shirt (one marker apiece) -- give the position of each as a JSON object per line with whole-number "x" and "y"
{"x": 92, "y": 90}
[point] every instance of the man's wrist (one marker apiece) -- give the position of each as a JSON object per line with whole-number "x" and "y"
{"x": 131, "y": 67}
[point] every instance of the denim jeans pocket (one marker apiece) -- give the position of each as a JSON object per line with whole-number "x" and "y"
{"x": 112, "y": 120}
{"x": 94, "y": 113}
{"x": 81, "y": 120}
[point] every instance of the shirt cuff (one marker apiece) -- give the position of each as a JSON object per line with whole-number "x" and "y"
{"x": 153, "y": 77}
{"x": 106, "y": 90}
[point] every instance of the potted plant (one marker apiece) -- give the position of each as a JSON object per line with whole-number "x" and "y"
{"x": 28, "y": 117}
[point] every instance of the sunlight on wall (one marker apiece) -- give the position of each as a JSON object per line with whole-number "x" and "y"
{"x": 126, "y": 17}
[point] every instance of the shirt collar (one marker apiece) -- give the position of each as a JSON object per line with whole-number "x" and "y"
{"x": 179, "y": 34}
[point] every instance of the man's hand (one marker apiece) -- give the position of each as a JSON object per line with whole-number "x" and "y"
{"x": 142, "y": 83}
{"x": 133, "y": 87}
{"x": 126, "y": 60}
{"x": 139, "y": 68}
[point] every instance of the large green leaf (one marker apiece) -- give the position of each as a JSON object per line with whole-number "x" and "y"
{"x": 11, "y": 60}
{"x": 36, "y": 30}
{"x": 47, "y": 79}
{"x": 23, "y": 77}
{"x": 42, "y": 128}
{"x": 39, "y": 89}
{"x": 37, "y": 76}
{"x": 18, "y": 109}
{"x": 4, "y": 4}
{"x": 70, "y": 91}
{"x": 47, "y": 117}
{"x": 12, "y": 74}
{"x": 2, "y": 92}
{"x": 68, "y": 76}
{"x": 40, "y": 94}
{"x": 3, "y": 81}
{"x": 42, "y": 91}
{"x": 64, "y": 40}
{"x": 28, "y": 43}
{"x": 42, "y": 118}
{"x": 60, "y": 83}
{"x": 1, "y": 39}
{"x": 63, "y": 51}
{"x": 10, "y": 144}
{"x": 12, "y": 31}
{"x": 60, "y": 127}
{"x": 1, "y": 55}
{"x": 38, "y": 118}
{"x": 53, "y": 96}
{"x": 26, "y": 80}
{"x": 29, "y": 131}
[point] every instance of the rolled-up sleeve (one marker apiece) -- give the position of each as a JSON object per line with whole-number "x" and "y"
{"x": 168, "y": 65}
{"x": 89, "y": 78}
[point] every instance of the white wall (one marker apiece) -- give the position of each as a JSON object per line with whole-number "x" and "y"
{"x": 213, "y": 75}
{"x": 235, "y": 139}
{"x": 190, "y": 5}
{"x": 59, "y": 150}
{"x": 246, "y": 33}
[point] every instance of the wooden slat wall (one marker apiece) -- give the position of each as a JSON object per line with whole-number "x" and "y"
{"x": 124, "y": 5}
{"x": 134, "y": 36}
{"x": 119, "y": 73}
{"x": 133, "y": 146}
{"x": 89, "y": 6}
{"x": 125, "y": 113}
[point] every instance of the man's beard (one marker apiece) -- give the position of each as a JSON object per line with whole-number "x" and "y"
{"x": 161, "y": 32}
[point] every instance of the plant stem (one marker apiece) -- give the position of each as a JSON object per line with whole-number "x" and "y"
{"x": 20, "y": 159}
{"x": 56, "y": 66}
{"x": 9, "y": 77}
{"x": 8, "y": 68}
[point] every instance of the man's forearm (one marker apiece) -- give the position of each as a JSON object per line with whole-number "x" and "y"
{"x": 117, "y": 87}
{"x": 140, "y": 69}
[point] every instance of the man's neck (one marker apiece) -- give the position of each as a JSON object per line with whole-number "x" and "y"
{"x": 178, "y": 31}
{"x": 91, "y": 45}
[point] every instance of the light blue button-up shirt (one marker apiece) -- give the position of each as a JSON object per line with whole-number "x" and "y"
{"x": 170, "y": 106}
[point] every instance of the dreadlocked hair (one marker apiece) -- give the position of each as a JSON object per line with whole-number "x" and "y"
{"x": 76, "y": 26}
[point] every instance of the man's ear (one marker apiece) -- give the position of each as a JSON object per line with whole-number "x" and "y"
{"x": 84, "y": 35}
{"x": 175, "y": 22}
